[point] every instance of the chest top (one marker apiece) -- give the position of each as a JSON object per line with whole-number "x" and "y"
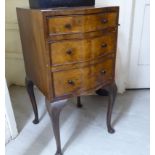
{"x": 69, "y": 51}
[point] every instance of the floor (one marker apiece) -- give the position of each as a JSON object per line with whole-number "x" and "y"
{"x": 83, "y": 131}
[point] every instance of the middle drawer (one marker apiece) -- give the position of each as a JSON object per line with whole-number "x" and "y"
{"x": 74, "y": 51}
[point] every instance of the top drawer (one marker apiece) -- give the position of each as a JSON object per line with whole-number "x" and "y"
{"x": 81, "y": 23}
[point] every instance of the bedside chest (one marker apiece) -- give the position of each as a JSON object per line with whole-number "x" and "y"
{"x": 69, "y": 52}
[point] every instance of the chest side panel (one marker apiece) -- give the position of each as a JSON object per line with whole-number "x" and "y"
{"x": 34, "y": 49}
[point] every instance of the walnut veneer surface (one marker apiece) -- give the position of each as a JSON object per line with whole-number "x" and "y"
{"x": 68, "y": 52}
{"x": 75, "y": 44}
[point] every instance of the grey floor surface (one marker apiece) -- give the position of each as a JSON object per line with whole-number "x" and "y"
{"x": 83, "y": 131}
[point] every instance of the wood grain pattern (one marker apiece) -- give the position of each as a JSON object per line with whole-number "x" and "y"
{"x": 65, "y": 11}
{"x": 82, "y": 64}
{"x": 90, "y": 41}
{"x": 34, "y": 49}
{"x": 81, "y": 23}
{"x": 85, "y": 35}
{"x": 67, "y": 52}
{"x": 76, "y": 80}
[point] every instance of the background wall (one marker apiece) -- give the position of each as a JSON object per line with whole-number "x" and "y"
{"x": 15, "y": 72}
{"x": 124, "y": 39}
{"x": 7, "y": 132}
{"x": 10, "y": 124}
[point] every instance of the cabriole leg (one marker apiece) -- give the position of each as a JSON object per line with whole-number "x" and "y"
{"x": 79, "y": 105}
{"x": 112, "y": 91}
{"x": 54, "y": 109}
{"x": 30, "y": 90}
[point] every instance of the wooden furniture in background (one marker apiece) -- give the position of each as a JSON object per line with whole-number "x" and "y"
{"x": 69, "y": 52}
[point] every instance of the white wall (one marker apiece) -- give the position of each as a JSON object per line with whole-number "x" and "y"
{"x": 15, "y": 72}
{"x": 10, "y": 123}
{"x": 124, "y": 39}
{"x": 7, "y": 132}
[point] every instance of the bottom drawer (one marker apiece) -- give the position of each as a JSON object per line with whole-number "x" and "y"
{"x": 81, "y": 79}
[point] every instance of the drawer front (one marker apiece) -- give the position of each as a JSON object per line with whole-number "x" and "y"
{"x": 81, "y": 23}
{"x": 72, "y": 51}
{"x": 82, "y": 79}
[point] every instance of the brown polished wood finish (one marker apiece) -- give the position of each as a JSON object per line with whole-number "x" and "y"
{"x": 76, "y": 81}
{"x": 65, "y": 52}
{"x": 69, "y": 52}
{"x": 81, "y": 23}
{"x": 29, "y": 85}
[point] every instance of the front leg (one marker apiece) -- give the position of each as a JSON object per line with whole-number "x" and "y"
{"x": 79, "y": 105}
{"x": 112, "y": 91}
{"x": 30, "y": 90}
{"x": 54, "y": 110}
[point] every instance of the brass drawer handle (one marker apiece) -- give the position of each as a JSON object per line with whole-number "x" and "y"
{"x": 114, "y": 29}
{"x": 104, "y": 21}
{"x": 103, "y": 72}
{"x": 104, "y": 45}
{"x": 69, "y": 51}
{"x": 71, "y": 82}
{"x": 68, "y": 26}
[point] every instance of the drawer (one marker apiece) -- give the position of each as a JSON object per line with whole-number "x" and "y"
{"x": 81, "y": 23}
{"x": 78, "y": 80}
{"x": 73, "y": 51}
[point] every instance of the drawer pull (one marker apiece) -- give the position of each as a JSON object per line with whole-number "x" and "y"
{"x": 104, "y": 21}
{"x": 115, "y": 29}
{"x": 69, "y": 51}
{"x": 71, "y": 82}
{"x": 68, "y": 26}
{"x": 103, "y": 72}
{"x": 104, "y": 45}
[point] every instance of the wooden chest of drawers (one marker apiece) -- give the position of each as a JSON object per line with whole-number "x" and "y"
{"x": 69, "y": 52}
